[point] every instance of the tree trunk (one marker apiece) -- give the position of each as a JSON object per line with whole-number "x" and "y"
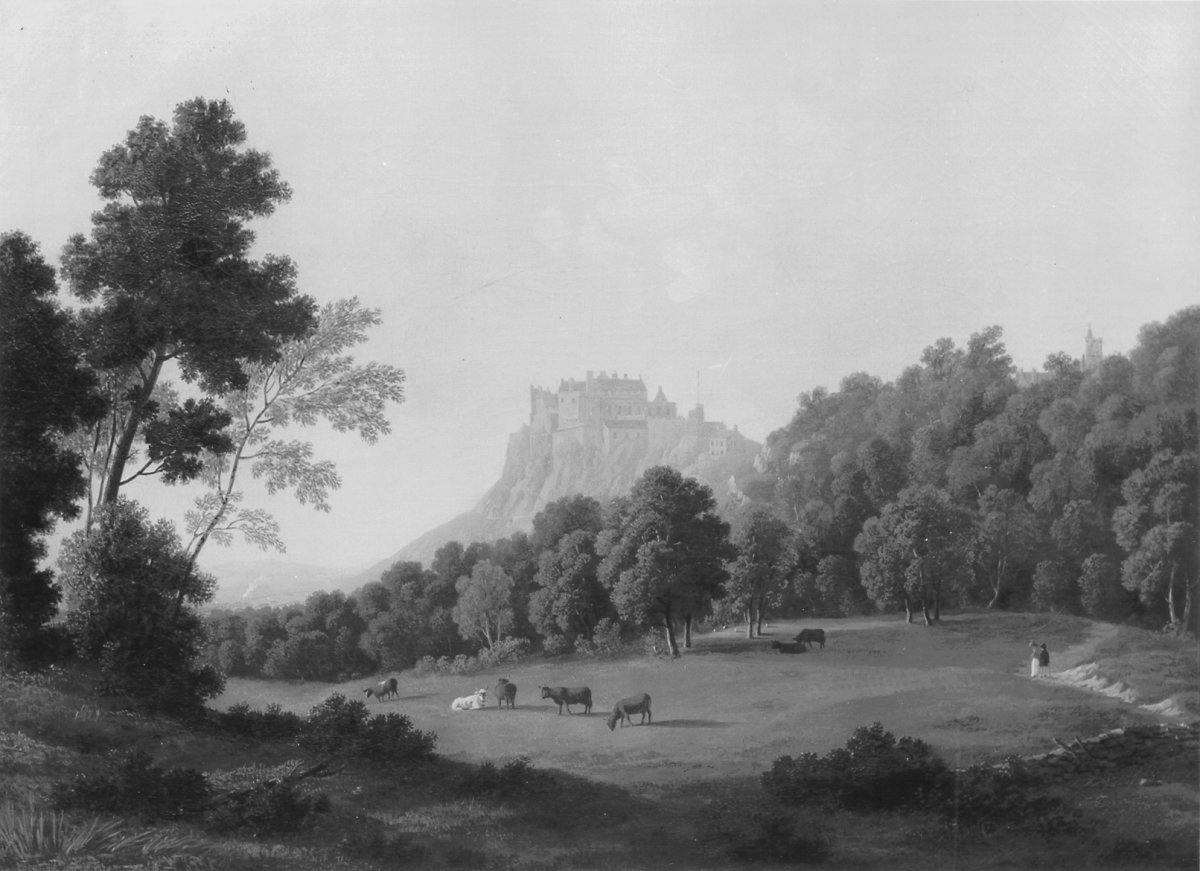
{"x": 687, "y": 631}
{"x": 749, "y": 622}
{"x": 672, "y": 644}
{"x": 120, "y": 457}
{"x": 1171, "y": 607}
{"x": 760, "y": 616}
{"x": 1187, "y": 611}
{"x": 908, "y": 611}
{"x": 937, "y": 604}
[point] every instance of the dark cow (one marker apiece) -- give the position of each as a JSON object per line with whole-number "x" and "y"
{"x": 812, "y": 636}
{"x": 569, "y": 696}
{"x": 623, "y": 710}
{"x": 384, "y": 688}
{"x": 505, "y": 691}
{"x": 788, "y": 647}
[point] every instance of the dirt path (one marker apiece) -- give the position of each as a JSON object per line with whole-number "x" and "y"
{"x": 1081, "y": 671}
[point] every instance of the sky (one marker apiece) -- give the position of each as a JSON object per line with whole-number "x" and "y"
{"x": 737, "y": 201}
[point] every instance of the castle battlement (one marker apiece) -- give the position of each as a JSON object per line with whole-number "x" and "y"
{"x": 607, "y": 410}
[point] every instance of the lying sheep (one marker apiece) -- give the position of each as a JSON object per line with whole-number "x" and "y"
{"x": 505, "y": 691}
{"x": 788, "y": 647}
{"x": 383, "y": 689}
{"x": 624, "y": 709}
{"x": 812, "y": 636}
{"x": 474, "y": 702}
{"x": 569, "y": 696}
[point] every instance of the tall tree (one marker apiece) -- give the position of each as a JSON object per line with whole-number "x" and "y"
{"x": 44, "y": 394}
{"x": 663, "y": 551}
{"x": 1006, "y": 538}
{"x": 766, "y": 558}
{"x": 915, "y": 551}
{"x": 168, "y": 273}
{"x": 484, "y": 610}
{"x": 313, "y": 380}
{"x": 569, "y": 598}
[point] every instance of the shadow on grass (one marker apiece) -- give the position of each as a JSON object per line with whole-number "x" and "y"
{"x": 727, "y": 646}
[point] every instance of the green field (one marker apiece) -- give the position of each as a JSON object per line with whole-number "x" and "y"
{"x": 643, "y": 797}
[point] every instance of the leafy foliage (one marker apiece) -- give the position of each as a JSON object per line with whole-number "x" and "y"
{"x": 311, "y": 380}
{"x": 129, "y": 586}
{"x": 45, "y": 394}
{"x": 342, "y": 727}
{"x": 135, "y": 785}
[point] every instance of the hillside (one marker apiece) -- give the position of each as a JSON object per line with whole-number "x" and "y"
{"x": 539, "y": 469}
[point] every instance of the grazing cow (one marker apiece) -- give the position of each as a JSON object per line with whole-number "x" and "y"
{"x": 812, "y": 636}
{"x": 569, "y": 696}
{"x": 474, "y": 702}
{"x": 622, "y": 711}
{"x": 790, "y": 647}
{"x": 505, "y": 691}
{"x": 383, "y": 689}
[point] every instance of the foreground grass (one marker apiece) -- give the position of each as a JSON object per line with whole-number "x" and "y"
{"x": 449, "y": 813}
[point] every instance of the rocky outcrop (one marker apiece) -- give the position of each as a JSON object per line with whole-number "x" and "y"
{"x": 540, "y": 468}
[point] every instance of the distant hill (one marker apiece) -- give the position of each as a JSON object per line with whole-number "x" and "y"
{"x": 540, "y": 468}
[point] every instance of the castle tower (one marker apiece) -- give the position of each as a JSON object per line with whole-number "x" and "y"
{"x": 1093, "y": 351}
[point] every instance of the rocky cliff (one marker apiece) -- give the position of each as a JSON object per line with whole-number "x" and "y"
{"x": 540, "y": 468}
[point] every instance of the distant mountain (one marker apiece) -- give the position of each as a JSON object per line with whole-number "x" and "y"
{"x": 252, "y": 584}
{"x": 545, "y": 462}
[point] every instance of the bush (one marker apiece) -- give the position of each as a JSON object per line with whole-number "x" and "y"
{"x": 873, "y": 771}
{"x": 555, "y": 645}
{"x": 269, "y": 809}
{"x": 516, "y": 777}
{"x": 135, "y": 785}
{"x": 272, "y": 724}
{"x": 605, "y": 640}
{"x": 986, "y": 798}
{"x": 341, "y": 727}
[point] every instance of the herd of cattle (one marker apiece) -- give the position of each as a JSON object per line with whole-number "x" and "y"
{"x": 505, "y": 690}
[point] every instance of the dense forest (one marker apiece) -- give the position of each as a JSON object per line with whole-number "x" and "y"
{"x": 948, "y": 487}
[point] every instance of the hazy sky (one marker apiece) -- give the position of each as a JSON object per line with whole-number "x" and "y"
{"x": 772, "y": 195}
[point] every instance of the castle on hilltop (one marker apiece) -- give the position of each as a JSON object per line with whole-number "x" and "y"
{"x": 608, "y": 411}
{"x": 1093, "y": 356}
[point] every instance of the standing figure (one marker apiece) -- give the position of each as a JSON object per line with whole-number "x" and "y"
{"x": 1035, "y": 659}
{"x": 1044, "y": 660}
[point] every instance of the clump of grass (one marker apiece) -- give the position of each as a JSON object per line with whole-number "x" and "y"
{"x": 29, "y": 833}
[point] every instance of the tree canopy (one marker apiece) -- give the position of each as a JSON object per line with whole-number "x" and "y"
{"x": 168, "y": 278}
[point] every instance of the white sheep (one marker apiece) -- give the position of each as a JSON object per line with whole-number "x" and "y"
{"x": 474, "y": 702}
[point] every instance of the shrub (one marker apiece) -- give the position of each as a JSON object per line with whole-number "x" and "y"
{"x": 271, "y": 724}
{"x": 873, "y": 771}
{"x": 986, "y": 798}
{"x": 555, "y": 645}
{"x": 270, "y": 808}
{"x": 605, "y": 640}
{"x": 515, "y": 777}
{"x": 505, "y": 651}
{"x": 135, "y": 785}
{"x": 341, "y": 727}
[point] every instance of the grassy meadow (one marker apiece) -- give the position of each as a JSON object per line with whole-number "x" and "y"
{"x": 667, "y": 794}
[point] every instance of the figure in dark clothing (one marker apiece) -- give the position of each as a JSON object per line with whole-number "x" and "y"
{"x": 1043, "y": 660}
